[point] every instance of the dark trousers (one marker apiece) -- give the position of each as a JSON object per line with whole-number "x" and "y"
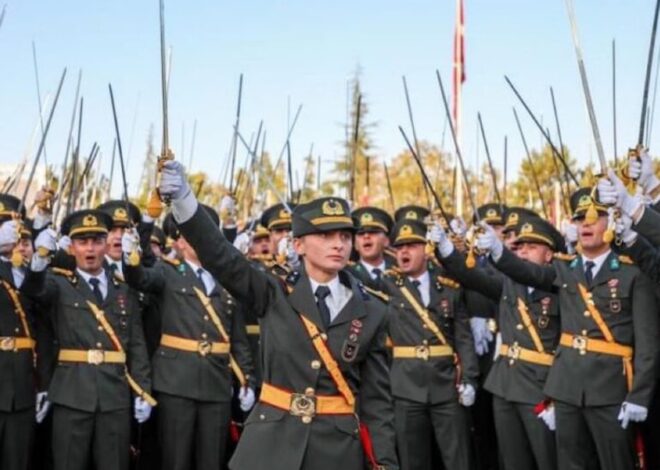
{"x": 579, "y": 429}
{"x": 191, "y": 430}
{"x": 416, "y": 422}
{"x": 525, "y": 442}
{"x": 80, "y": 437}
{"x": 16, "y": 437}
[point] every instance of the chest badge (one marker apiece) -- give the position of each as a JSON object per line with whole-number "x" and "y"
{"x": 351, "y": 344}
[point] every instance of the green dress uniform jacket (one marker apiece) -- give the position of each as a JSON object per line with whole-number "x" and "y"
{"x": 514, "y": 380}
{"x": 188, "y": 374}
{"x": 18, "y": 386}
{"x": 273, "y": 439}
{"x": 626, "y": 300}
{"x": 432, "y": 381}
{"x": 83, "y": 386}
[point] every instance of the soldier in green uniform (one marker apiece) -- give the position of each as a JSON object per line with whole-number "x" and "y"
{"x": 99, "y": 338}
{"x": 605, "y": 368}
{"x": 277, "y": 219}
{"x": 203, "y": 342}
{"x": 434, "y": 371}
{"x": 529, "y": 326}
{"x": 373, "y": 226}
{"x": 323, "y": 342}
{"x": 17, "y": 345}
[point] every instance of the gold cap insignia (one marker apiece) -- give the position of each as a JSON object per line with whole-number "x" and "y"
{"x": 585, "y": 200}
{"x": 332, "y": 207}
{"x": 366, "y": 218}
{"x": 405, "y": 231}
{"x": 120, "y": 214}
{"x": 284, "y": 214}
{"x": 526, "y": 228}
{"x": 412, "y": 215}
{"x": 491, "y": 213}
{"x": 90, "y": 221}
{"x": 512, "y": 219}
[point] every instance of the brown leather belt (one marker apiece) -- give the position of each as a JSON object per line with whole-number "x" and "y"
{"x": 306, "y": 405}
{"x": 422, "y": 352}
{"x": 585, "y": 344}
{"x": 11, "y": 343}
{"x": 92, "y": 356}
{"x": 516, "y": 353}
{"x": 190, "y": 345}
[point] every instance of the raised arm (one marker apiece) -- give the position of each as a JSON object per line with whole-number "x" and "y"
{"x": 476, "y": 278}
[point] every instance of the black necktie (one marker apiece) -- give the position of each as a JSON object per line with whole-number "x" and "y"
{"x": 321, "y": 293}
{"x": 417, "y": 285}
{"x": 200, "y": 274}
{"x": 94, "y": 282}
{"x": 588, "y": 272}
{"x": 376, "y": 273}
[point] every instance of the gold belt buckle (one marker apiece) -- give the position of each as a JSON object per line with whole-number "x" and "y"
{"x": 580, "y": 343}
{"x": 422, "y": 352}
{"x": 8, "y": 343}
{"x": 204, "y": 348}
{"x": 303, "y": 405}
{"x": 95, "y": 356}
{"x": 513, "y": 353}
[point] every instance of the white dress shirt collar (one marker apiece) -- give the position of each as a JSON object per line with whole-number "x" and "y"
{"x": 338, "y": 298}
{"x": 424, "y": 287}
{"x": 598, "y": 262}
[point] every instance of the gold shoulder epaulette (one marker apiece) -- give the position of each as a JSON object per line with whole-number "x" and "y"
{"x": 172, "y": 261}
{"x": 564, "y": 256}
{"x": 445, "y": 281}
{"x": 393, "y": 271}
{"x": 376, "y": 293}
{"x": 625, "y": 259}
{"x": 63, "y": 272}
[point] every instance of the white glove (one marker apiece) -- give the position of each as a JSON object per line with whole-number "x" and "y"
{"x": 569, "y": 229}
{"x": 64, "y": 243}
{"x": 458, "y": 226}
{"x": 437, "y": 235}
{"x": 642, "y": 170}
{"x": 227, "y": 204}
{"x": 130, "y": 241}
{"x": 41, "y": 220}
{"x": 548, "y": 417}
{"x": 285, "y": 248}
{"x": 481, "y": 334}
{"x": 174, "y": 185}
{"x": 173, "y": 181}
{"x": 46, "y": 240}
{"x": 631, "y": 412}
{"x": 246, "y": 397}
{"x": 142, "y": 410}
{"x": 612, "y": 191}
{"x": 242, "y": 242}
{"x": 623, "y": 228}
{"x": 42, "y": 406}
{"x": 8, "y": 235}
{"x": 488, "y": 241}
{"x": 466, "y": 395}
{"x": 147, "y": 219}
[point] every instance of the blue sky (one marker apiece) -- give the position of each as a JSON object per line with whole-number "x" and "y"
{"x": 305, "y": 51}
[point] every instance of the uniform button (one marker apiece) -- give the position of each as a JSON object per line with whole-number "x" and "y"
{"x": 519, "y": 326}
{"x": 584, "y": 332}
{"x": 316, "y": 364}
{"x": 425, "y": 342}
{"x": 564, "y": 286}
{"x": 123, "y": 312}
{"x": 306, "y": 419}
{"x": 204, "y": 335}
{"x": 262, "y": 417}
{"x": 75, "y": 304}
{"x": 504, "y": 297}
{"x": 16, "y": 330}
{"x": 206, "y": 317}
{"x": 324, "y": 337}
{"x": 425, "y": 327}
{"x": 99, "y": 345}
{"x": 183, "y": 289}
{"x": 100, "y": 328}
{"x": 309, "y": 391}
{"x": 586, "y": 313}
{"x": 229, "y": 301}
